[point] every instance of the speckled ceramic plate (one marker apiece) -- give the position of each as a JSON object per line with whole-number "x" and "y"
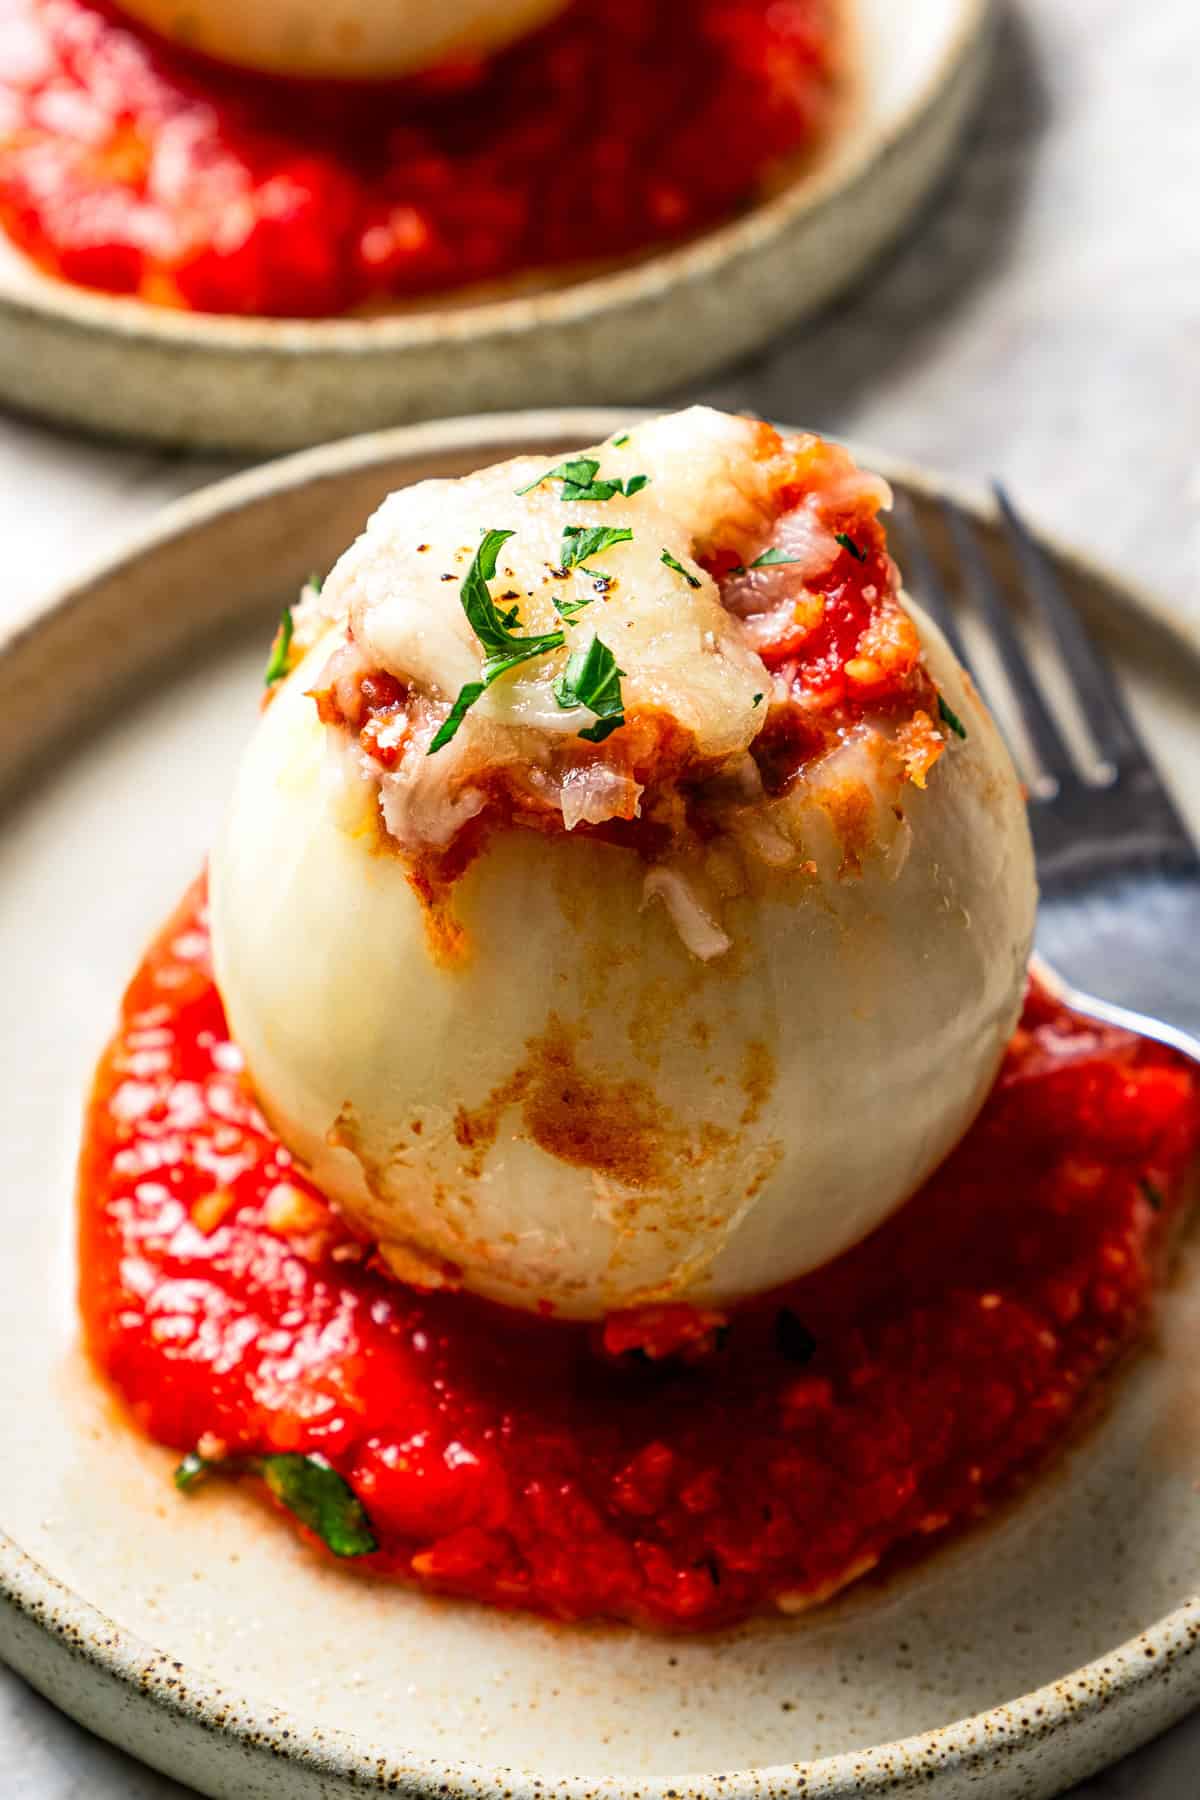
{"x": 121, "y": 367}
{"x": 201, "y": 1636}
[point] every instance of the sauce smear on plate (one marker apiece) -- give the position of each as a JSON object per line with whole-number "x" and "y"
{"x": 130, "y": 167}
{"x": 671, "y": 1468}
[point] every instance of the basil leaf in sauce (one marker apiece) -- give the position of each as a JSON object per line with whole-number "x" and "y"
{"x": 320, "y": 1499}
{"x": 192, "y": 1470}
{"x": 848, "y": 543}
{"x": 306, "y": 1485}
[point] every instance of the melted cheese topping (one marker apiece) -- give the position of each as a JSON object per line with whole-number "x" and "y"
{"x": 683, "y": 654}
{"x": 719, "y": 714}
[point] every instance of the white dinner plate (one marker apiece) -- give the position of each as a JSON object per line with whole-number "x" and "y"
{"x": 201, "y": 1635}
{"x": 121, "y": 367}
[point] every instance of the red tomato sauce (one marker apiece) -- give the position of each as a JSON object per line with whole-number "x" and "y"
{"x": 582, "y": 1471}
{"x": 129, "y": 166}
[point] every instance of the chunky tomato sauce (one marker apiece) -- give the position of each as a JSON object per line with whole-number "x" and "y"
{"x": 674, "y": 1468}
{"x": 130, "y": 167}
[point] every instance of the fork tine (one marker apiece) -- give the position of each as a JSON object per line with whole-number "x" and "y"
{"x": 931, "y": 588}
{"x": 1049, "y": 745}
{"x": 1101, "y": 699}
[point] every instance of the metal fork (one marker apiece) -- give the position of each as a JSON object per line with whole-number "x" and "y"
{"x": 1119, "y": 919}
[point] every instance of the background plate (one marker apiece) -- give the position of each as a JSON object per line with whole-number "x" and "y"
{"x": 121, "y": 367}
{"x": 201, "y": 1636}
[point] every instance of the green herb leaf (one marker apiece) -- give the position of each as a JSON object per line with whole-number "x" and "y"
{"x": 567, "y": 609}
{"x": 793, "y": 1339}
{"x": 679, "y": 569}
{"x": 191, "y": 1470}
{"x": 486, "y": 621}
{"x": 467, "y": 696}
{"x": 848, "y": 543}
{"x": 306, "y": 1485}
{"x": 604, "y": 488}
{"x": 603, "y": 728}
{"x": 320, "y": 1499}
{"x": 521, "y": 651}
{"x": 493, "y": 629}
{"x": 771, "y": 559}
{"x": 277, "y": 665}
{"x": 579, "y": 478}
{"x": 315, "y": 582}
{"x": 580, "y": 542}
{"x": 592, "y": 679}
{"x": 1151, "y": 1194}
{"x": 578, "y": 470}
{"x": 757, "y": 701}
{"x": 619, "y": 443}
{"x": 949, "y": 717}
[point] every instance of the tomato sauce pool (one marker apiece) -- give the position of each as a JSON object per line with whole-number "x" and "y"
{"x": 131, "y": 167}
{"x": 670, "y": 1468}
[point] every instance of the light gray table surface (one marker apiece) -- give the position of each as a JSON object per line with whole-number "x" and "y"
{"x": 1042, "y": 322}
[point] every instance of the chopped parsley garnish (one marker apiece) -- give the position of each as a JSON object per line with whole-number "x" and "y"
{"x": 316, "y": 582}
{"x": 1151, "y": 1194}
{"x": 309, "y": 1489}
{"x": 848, "y": 543}
{"x": 577, "y": 472}
{"x": 771, "y": 559}
{"x": 579, "y": 481}
{"x": 468, "y": 694}
{"x": 949, "y": 717}
{"x": 567, "y": 609}
{"x": 581, "y": 542}
{"x": 793, "y": 1339}
{"x": 277, "y": 665}
{"x": 679, "y": 569}
{"x": 494, "y": 631}
{"x": 592, "y": 679}
{"x": 619, "y": 443}
{"x": 192, "y": 1469}
{"x": 757, "y": 701}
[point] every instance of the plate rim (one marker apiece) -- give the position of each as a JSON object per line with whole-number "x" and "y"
{"x": 1151, "y": 1678}
{"x": 41, "y": 299}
